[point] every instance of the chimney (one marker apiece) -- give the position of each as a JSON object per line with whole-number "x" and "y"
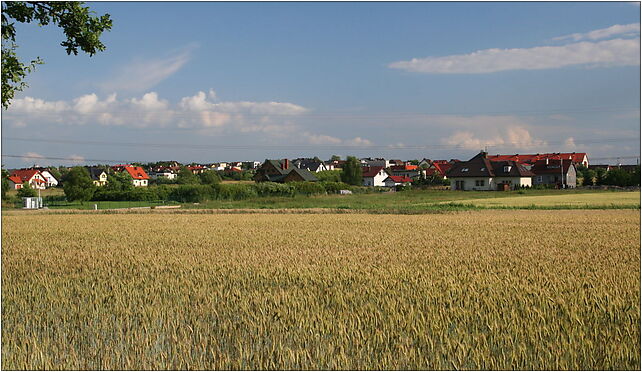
{"x": 285, "y": 165}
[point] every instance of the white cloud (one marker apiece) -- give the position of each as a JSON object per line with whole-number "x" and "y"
{"x": 504, "y": 137}
{"x": 141, "y": 75}
{"x": 198, "y": 112}
{"x": 632, "y": 29}
{"x": 569, "y": 144}
{"x": 617, "y": 52}
{"x": 31, "y": 156}
{"x": 76, "y": 159}
{"x": 358, "y": 141}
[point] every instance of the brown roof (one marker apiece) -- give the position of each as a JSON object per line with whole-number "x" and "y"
{"x": 371, "y": 171}
{"x": 481, "y": 166}
{"x": 553, "y": 166}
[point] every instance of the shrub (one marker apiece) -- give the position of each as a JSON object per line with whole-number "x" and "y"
{"x": 308, "y": 188}
{"x": 265, "y": 189}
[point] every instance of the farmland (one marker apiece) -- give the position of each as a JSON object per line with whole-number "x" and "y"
{"x": 490, "y": 289}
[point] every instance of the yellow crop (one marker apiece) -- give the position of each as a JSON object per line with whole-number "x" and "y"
{"x": 476, "y": 290}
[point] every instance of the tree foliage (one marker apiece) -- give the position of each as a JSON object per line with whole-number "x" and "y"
{"x": 351, "y": 173}
{"x": 209, "y": 178}
{"x": 119, "y": 181}
{"x": 26, "y": 191}
{"x": 82, "y": 29}
{"x": 77, "y": 185}
{"x": 186, "y": 177}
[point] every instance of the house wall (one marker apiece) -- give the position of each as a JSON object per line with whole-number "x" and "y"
{"x": 377, "y": 180}
{"x": 469, "y": 183}
{"x": 521, "y": 181}
{"x": 139, "y": 183}
{"x": 37, "y": 185}
{"x": 51, "y": 180}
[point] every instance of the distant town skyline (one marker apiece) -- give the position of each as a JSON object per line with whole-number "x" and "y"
{"x": 208, "y": 82}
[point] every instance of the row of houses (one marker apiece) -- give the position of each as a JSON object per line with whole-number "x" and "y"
{"x": 484, "y": 172}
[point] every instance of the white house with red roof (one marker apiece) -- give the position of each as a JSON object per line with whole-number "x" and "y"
{"x": 139, "y": 177}
{"x": 31, "y": 176}
{"x": 392, "y": 181}
{"x": 374, "y": 176}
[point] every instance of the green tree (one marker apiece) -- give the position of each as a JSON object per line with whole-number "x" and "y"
{"x": 5, "y": 187}
{"x": 81, "y": 27}
{"x": 600, "y": 175}
{"x": 186, "y": 177}
{"x": 351, "y": 173}
{"x": 78, "y": 185}
{"x": 26, "y": 191}
{"x": 335, "y": 157}
{"x": 618, "y": 177}
{"x": 209, "y": 178}
{"x": 119, "y": 181}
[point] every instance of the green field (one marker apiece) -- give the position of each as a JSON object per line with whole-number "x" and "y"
{"x": 436, "y": 200}
{"x": 413, "y": 201}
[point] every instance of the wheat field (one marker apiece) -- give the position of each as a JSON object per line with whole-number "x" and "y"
{"x": 471, "y": 290}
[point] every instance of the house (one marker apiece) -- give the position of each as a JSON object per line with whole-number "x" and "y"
{"x": 251, "y": 164}
{"x": 197, "y": 169}
{"x": 438, "y": 167}
{"x": 393, "y": 181}
{"x": 31, "y": 176}
{"x": 374, "y": 176}
{"x": 282, "y": 171}
{"x": 51, "y": 180}
{"x": 551, "y": 172}
{"x": 576, "y": 158}
{"x": 376, "y": 162}
{"x": 479, "y": 173}
{"x": 98, "y": 176}
{"x": 170, "y": 172}
{"x": 15, "y": 183}
{"x": 425, "y": 163}
{"x": 311, "y": 165}
{"x": 139, "y": 177}
{"x": 405, "y": 170}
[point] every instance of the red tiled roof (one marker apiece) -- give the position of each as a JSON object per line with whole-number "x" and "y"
{"x": 25, "y": 174}
{"x": 371, "y": 171}
{"x": 15, "y": 179}
{"x": 576, "y": 157}
{"x": 137, "y": 173}
{"x": 442, "y": 168}
{"x": 400, "y": 179}
{"x": 403, "y": 167}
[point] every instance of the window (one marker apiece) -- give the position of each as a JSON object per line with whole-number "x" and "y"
{"x": 464, "y": 169}
{"x": 507, "y": 168}
{"x": 539, "y": 179}
{"x": 479, "y": 182}
{"x": 483, "y": 169}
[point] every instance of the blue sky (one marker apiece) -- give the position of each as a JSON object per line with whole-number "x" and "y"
{"x": 248, "y": 81}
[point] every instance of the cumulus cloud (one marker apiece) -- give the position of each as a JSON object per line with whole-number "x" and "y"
{"x": 617, "y": 52}
{"x": 632, "y": 29}
{"x": 507, "y": 137}
{"x": 142, "y": 74}
{"x": 202, "y": 112}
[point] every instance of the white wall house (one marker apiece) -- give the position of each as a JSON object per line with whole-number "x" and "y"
{"x": 374, "y": 176}
{"x": 480, "y": 173}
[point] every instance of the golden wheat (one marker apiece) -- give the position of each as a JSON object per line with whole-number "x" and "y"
{"x": 475, "y": 290}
